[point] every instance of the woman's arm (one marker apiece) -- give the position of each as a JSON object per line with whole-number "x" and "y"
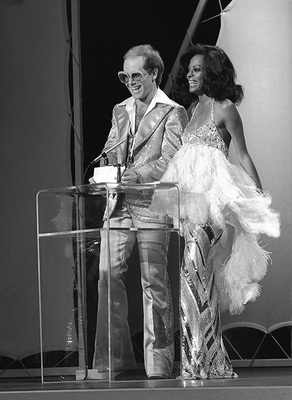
{"x": 234, "y": 126}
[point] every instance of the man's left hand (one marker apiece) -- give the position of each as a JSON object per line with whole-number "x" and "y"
{"x": 129, "y": 176}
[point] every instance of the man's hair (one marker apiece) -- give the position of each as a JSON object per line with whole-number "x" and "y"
{"x": 152, "y": 59}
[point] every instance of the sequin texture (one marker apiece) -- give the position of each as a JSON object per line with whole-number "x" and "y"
{"x": 206, "y": 135}
{"x": 203, "y": 352}
{"x": 218, "y": 272}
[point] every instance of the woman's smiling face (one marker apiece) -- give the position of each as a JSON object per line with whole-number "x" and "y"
{"x": 196, "y": 74}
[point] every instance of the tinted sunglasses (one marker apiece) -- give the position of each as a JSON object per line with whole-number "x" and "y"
{"x": 135, "y": 77}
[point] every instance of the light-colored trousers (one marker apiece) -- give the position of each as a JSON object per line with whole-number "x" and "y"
{"x": 157, "y": 303}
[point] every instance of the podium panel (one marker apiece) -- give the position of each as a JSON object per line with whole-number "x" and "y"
{"x": 73, "y": 225}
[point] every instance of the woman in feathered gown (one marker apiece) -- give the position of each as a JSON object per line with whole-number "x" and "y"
{"x": 222, "y": 213}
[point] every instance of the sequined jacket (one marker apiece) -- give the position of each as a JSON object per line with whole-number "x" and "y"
{"x": 157, "y": 140}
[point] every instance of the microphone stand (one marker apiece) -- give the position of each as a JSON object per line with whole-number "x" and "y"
{"x": 119, "y": 174}
{"x": 104, "y": 155}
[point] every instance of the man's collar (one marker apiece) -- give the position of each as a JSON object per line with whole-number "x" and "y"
{"x": 160, "y": 97}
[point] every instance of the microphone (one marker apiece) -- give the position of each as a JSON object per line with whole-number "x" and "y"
{"x": 104, "y": 155}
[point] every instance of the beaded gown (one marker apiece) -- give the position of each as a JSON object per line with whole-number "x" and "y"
{"x": 221, "y": 215}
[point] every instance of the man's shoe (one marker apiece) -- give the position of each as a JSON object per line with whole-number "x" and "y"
{"x": 157, "y": 376}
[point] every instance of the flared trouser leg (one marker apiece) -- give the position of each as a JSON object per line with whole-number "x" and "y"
{"x": 157, "y": 301}
{"x": 113, "y": 255}
{"x": 157, "y": 305}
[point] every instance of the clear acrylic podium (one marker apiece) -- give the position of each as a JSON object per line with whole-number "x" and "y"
{"x": 69, "y": 229}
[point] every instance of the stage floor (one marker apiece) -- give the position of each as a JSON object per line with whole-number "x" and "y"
{"x": 252, "y": 383}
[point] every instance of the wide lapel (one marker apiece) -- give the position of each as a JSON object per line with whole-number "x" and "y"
{"x": 149, "y": 123}
{"x": 122, "y": 118}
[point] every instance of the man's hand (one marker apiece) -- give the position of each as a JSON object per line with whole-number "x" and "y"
{"x": 129, "y": 176}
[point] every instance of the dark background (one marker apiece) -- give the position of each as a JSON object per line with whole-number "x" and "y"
{"x": 107, "y": 30}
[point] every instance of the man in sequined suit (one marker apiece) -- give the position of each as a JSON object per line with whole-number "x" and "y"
{"x": 152, "y": 125}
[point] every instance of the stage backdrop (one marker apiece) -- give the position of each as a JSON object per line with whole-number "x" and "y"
{"x": 257, "y": 36}
{"x": 35, "y": 126}
{"x": 35, "y": 138}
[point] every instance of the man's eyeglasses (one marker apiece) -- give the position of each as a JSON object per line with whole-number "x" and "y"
{"x": 135, "y": 77}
